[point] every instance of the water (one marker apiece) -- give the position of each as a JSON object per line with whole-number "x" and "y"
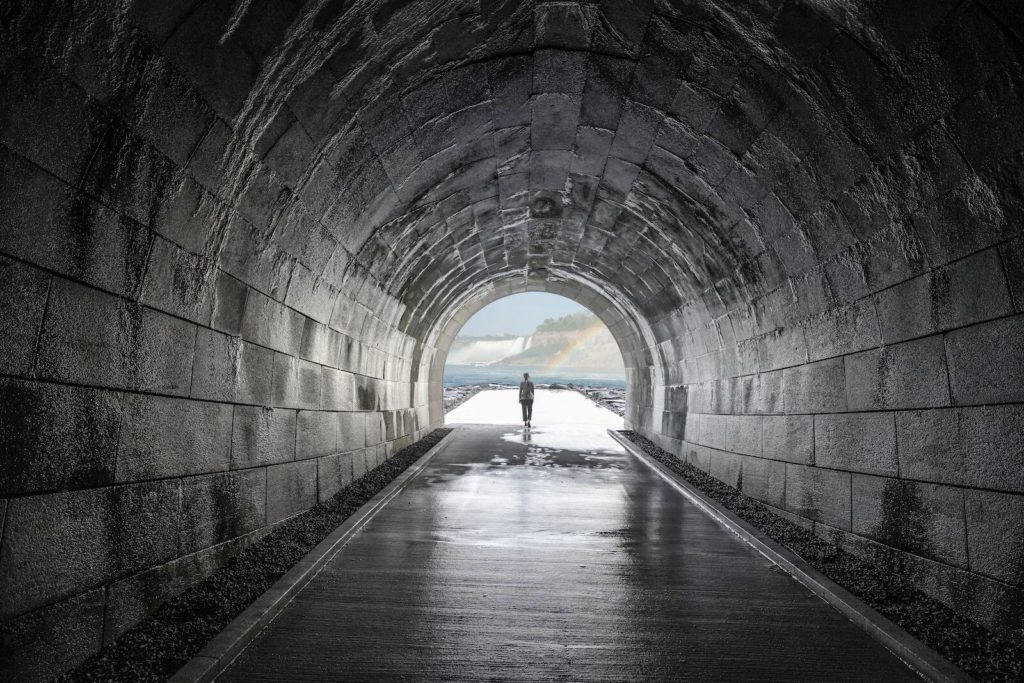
{"x": 462, "y": 375}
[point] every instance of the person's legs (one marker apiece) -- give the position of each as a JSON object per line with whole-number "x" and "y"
{"x": 526, "y": 415}
{"x": 528, "y": 411}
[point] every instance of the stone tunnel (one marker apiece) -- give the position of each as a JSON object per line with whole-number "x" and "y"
{"x": 238, "y": 238}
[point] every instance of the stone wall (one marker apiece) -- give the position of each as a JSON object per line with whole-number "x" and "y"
{"x": 237, "y": 238}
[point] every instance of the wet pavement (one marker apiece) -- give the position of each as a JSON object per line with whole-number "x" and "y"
{"x": 550, "y": 556}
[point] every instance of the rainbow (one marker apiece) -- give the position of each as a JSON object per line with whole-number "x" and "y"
{"x": 586, "y": 337}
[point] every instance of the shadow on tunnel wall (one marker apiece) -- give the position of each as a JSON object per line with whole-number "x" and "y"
{"x": 236, "y": 238}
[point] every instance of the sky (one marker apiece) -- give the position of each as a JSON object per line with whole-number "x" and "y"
{"x": 518, "y": 314}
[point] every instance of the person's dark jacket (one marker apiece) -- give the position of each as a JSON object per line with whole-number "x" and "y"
{"x": 526, "y": 391}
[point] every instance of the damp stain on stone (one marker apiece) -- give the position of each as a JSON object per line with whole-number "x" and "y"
{"x": 905, "y": 518}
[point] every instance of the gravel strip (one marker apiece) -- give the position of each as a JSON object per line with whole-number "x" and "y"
{"x": 971, "y": 647}
{"x": 162, "y": 643}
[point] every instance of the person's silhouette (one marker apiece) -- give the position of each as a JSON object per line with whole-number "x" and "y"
{"x": 526, "y": 399}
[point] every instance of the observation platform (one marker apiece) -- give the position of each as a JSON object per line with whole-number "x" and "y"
{"x": 553, "y": 555}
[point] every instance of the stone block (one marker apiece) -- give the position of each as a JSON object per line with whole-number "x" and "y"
{"x": 316, "y": 434}
{"x": 819, "y": 495}
{"x": 61, "y": 544}
{"x": 228, "y": 369}
{"x": 554, "y": 120}
{"x": 229, "y": 304}
{"x": 924, "y": 519}
{"x": 353, "y": 432}
{"x": 698, "y": 456}
{"x": 744, "y": 434}
{"x": 986, "y": 362}
{"x": 22, "y": 304}
{"x": 1012, "y": 254}
{"x": 339, "y": 390}
{"x": 764, "y": 480}
{"x": 789, "y": 438}
{"x": 727, "y": 467}
{"x": 994, "y": 523}
{"x": 56, "y": 437}
{"x": 815, "y": 388}
{"x": 170, "y": 437}
{"x": 132, "y": 598}
{"x": 976, "y": 446}
{"x": 859, "y": 442}
{"x": 262, "y": 436}
{"x": 291, "y": 488}
{"x": 714, "y": 431}
{"x": 334, "y": 472}
{"x": 781, "y": 349}
{"x": 272, "y": 324}
{"x": 963, "y": 293}
{"x": 843, "y": 331}
{"x": 361, "y": 461}
{"x": 94, "y": 338}
{"x": 42, "y": 645}
{"x": 178, "y": 282}
{"x": 219, "y": 507}
{"x": 908, "y": 375}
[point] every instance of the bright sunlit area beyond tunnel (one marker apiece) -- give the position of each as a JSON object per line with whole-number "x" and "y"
{"x": 561, "y": 344}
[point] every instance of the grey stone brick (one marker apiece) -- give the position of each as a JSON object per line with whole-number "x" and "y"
{"x": 316, "y": 434}
{"x": 219, "y": 507}
{"x": 963, "y": 293}
{"x": 860, "y": 442}
{"x": 908, "y": 375}
{"x": 819, "y": 495}
{"x": 94, "y": 338}
{"x": 980, "y": 446}
{"x": 41, "y": 645}
{"x": 783, "y": 348}
{"x": 815, "y": 387}
{"x": 843, "y": 331}
{"x": 291, "y": 488}
{"x": 269, "y": 323}
{"x": 262, "y": 436}
{"x": 764, "y": 480}
{"x": 23, "y": 291}
{"x": 994, "y": 523}
{"x": 924, "y": 519}
{"x": 789, "y": 438}
{"x": 986, "y": 362}
{"x": 60, "y": 544}
{"x": 1012, "y": 254}
{"x": 726, "y": 467}
{"x": 353, "y": 430}
{"x": 744, "y": 434}
{"x": 56, "y": 437}
{"x": 334, "y": 472}
{"x": 228, "y": 369}
{"x": 154, "y": 444}
{"x": 339, "y": 390}
{"x": 228, "y": 304}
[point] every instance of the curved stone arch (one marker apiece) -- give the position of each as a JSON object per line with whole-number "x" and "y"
{"x": 631, "y": 333}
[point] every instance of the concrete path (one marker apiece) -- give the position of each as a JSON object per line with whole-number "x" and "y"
{"x": 517, "y": 556}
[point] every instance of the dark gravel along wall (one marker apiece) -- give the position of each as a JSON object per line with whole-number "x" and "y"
{"x": 887, "y": 589}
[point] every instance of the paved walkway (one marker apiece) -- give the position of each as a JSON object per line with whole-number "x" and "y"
{"x": 517, "y": 557}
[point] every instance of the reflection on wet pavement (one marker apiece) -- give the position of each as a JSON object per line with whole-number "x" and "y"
{"x": 521, "y": 557}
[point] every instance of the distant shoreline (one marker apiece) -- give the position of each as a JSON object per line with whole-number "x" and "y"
{"x": 472, "y": 375}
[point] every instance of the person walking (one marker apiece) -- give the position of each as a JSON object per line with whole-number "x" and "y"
{"x": 526, "y": 399}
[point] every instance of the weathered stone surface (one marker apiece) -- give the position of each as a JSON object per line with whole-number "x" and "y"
{"x": 789, "y": 438}
{"x": 262, "y": 436}
{"x": 333, "y": 473}
{"x": 291, "y": 488}
{"x": 975, "y": 446}
{"x": 61, "y": 544}
{"x": 908, "y": 375}
{"x": 765, "y": 480}
{"x": 924, "y": 519}
{"x": 316, "y": 434}
{"x": 55, "y": 436}
{"x": 153, "y": 443}
{"x": 994, "y": 521}
{"x": 41, "y": 645}
{"x": 228, "y": 369}
{"x": 22, "y": 303}
{"x": 818, "y": 494}
{"x": 219, "y": 507}
{"x": 353, "y": 430}
{"x": 744, "y": 434}
{"x": 94, "y": 338}
{"x": 816, "y": 387}
{"x": 986, "y": 362}
{"x": 857, "y": 442}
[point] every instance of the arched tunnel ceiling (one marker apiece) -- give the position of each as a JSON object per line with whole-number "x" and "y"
{"x": 692, "y": 159}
